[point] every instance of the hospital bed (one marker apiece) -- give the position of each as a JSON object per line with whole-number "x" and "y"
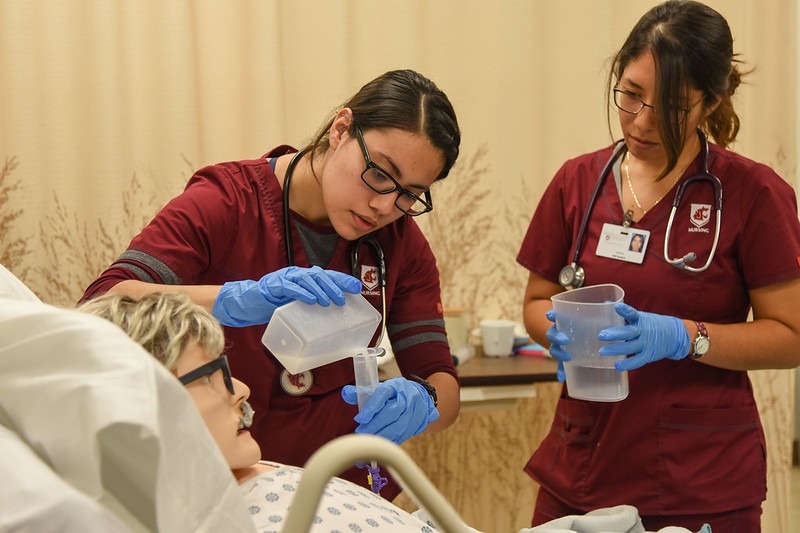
{"x": 96, "y": 435}
{"x": 343, "y": 452}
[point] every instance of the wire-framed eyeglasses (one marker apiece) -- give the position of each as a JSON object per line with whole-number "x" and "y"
{"x": 382, "y": 182}
{"x": 220, "y": 363}
{"x": 630, "y": 103}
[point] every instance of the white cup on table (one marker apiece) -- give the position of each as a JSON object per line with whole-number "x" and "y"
{"x": 497, "y": 337}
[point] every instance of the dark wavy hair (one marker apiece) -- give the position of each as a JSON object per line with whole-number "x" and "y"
{"x": 406, "y": 100}
{"x": 692, "y": 46}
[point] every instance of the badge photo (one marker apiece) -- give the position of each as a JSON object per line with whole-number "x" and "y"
{"x": 623, "y": 243}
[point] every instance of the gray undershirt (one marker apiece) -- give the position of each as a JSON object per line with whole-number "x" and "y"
{"x": 319, "y": 247}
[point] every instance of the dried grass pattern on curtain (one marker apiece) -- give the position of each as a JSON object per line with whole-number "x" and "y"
{"x": 13, "y": 245}
{"x": 475, "y": 237}
{"x": 75, "y": 249}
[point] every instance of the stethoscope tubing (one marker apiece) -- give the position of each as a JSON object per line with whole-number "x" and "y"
{"x": 705, "y": 175}
{"x": 355, "y": 247}
{"x": 587, "y": 215}
{"x": 287, "y": 181}
{"x": 575, "y": 273}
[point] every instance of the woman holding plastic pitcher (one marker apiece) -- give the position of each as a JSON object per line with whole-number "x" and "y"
{"x": 686, "y": 447}
{"x": 241, "y": 242}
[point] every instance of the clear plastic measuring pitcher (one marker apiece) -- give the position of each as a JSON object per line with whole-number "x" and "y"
{"x": 581, "y": 314}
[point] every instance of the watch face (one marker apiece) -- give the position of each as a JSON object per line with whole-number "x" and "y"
{"x": 701, "y": 345}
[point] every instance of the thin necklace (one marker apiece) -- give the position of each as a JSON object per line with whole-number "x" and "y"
{"x": 630, "y": 185}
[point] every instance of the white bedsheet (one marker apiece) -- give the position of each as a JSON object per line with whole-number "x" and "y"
{"x": 35, "y": 498}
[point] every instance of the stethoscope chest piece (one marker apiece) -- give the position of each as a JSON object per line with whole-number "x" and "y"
{"x": 571, "y": 276}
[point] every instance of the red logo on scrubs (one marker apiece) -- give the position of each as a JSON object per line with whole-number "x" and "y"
{"x": 296, "y": 384}
{"x": 700, "y": 214}
{"x": 369, "y": 277}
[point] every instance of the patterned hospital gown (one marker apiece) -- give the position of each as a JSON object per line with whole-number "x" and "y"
{"x": 345, "y": 507}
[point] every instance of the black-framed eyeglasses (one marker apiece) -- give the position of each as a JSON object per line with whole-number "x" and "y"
{"x": 630, "y": 103}
{"x": 220, "y": 363}
{"x": 382, "y": 182}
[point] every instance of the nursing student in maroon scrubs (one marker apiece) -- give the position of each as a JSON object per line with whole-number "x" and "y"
{"x": 686, "y": 447}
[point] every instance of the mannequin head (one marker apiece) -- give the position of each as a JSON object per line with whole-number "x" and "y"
{"x": 189, "y": 342}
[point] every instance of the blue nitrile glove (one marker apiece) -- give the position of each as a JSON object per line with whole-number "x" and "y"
{"x": 647, "y": 336}
{"x": 558, "y": 339}
{"x": 248, "y": 302}
{"x": 397, "y": 410}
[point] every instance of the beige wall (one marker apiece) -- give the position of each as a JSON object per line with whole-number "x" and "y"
{"x": 106, "y": 107}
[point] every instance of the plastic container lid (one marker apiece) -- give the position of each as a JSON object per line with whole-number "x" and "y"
{"x": 305, "y": 336}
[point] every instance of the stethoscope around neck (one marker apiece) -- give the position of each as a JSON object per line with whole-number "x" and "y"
{"x": 572, "y": 276}
{"x": 355, "y": 246}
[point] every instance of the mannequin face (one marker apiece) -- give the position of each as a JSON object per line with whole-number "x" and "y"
{"x": 220, "y": 409}
{"x": 352, "y": 207}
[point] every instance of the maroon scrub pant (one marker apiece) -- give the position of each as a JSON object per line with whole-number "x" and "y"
{"x": 747, "y": 520}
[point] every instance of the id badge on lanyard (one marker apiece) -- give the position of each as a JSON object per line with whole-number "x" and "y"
{"x": 623, "y": 244}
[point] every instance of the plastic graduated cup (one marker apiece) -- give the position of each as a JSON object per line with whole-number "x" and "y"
{"x": 305, "y": 336}
{"x": 581, "y": 314}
